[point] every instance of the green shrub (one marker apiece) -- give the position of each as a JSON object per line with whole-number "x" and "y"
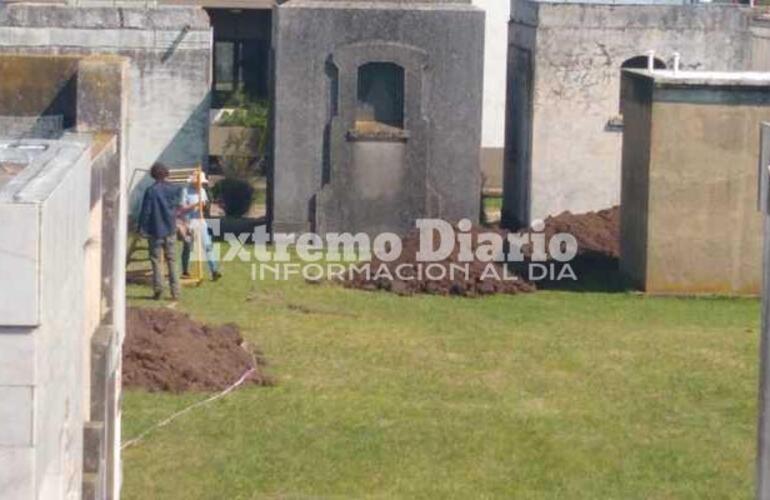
{"x": 248, "y": 112}
{"x": 236, "y": 195}
{"x": 238, "y": 160}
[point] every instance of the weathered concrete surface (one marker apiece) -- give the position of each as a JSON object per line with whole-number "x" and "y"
{"x": 763, "y": 405}
{"x": 635, "y": 173}
{"x": 492, "y": 167}
{"x": 49, "y": 425}
{"x": 170, "y": 53}
{"x": 689, "y": 222}
{"x": 48, "y": 357}
{"x": 234, "y": 141}
{"x": 759, "y": 31}
{"x": 49, "y": 85}
{"x": 318, "y": 48}
{"x": 65, "y": 216}
{"x": 564, "y": 85}
{"x": 104, "y": 84}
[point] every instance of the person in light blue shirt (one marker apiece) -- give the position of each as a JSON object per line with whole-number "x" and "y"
{"x": 197, "y": 226}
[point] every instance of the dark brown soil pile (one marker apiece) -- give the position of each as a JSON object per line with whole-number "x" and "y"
{"x": 478, "y": 280}
{"x": 597, "y": 234}
{"x": 166, "y": 350}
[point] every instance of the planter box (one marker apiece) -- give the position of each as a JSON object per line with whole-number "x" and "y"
{"x": 233, "y": 141}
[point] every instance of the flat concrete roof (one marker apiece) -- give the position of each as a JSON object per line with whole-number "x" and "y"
{"x": 706, "y": 78}
{"x": 9, "y": 170}
{"x": 35, "y": 166}
{"x": 15, "y": 156}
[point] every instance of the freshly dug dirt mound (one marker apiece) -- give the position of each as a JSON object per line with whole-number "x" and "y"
{"x": 166, "y": 350}
{"x": 597, "y": 234}
{"x": 478, "y": 280}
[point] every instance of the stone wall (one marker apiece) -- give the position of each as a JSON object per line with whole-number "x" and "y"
{"x": 563, "y": 145}
{"x": 635, "y": 176}
{"x": 63, "y": 250}
{"x": 689, "y": 222}
{"x": 45, "y": 426}
{"x": 318, "y": 48}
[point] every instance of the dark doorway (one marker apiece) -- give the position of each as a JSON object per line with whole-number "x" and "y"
{"x": 241, "y": 53}
{"x": 640, "y": 62}
{"x": 381, "y": 94}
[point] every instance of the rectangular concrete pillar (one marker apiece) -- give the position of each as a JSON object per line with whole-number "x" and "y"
{"x": 688, "y": 218}
{"x": 763, "y": 427}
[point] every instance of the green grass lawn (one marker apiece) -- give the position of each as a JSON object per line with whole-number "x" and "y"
{"x": 549, "y": 395}
{"x": 493, "y": 203}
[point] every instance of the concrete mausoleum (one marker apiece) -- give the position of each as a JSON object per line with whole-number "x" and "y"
{"x": 63, "y": 204}
{"x": 689, "y": 222}
{"x": 377, "y": 114}
{"x": 564, "y": 129}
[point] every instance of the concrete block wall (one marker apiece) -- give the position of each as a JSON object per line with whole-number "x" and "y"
{"x": 318, "y": 48}
{"x": 759, "y": 29}
{"x": 103, "y": 98}
{"x": 64, "y": 241}
{"x": 17, "y": 352}
{"x": 169, "y": 49}
{"x": 60, "y": 377}
{"x": 50, "y": 88}
{"x": 689, "y": 223}
{"x": 564, "y": 87}
{"x": 42, "y": 413}
{"x": 45, "y": 373}
{"x": 105, "y": 307}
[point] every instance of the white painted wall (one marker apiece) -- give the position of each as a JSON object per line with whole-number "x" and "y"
{"x": 576, "y": 52}
{"x": 41, "y": 366}
{"x": 495, "y": 62}
{"x": 44, "y": 374}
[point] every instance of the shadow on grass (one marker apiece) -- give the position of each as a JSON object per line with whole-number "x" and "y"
{"x": 239, "y": 225}
{"x": 139, "y": 296}
{"x": 595, "y": 273}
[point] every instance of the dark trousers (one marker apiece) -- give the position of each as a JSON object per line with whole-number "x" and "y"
{"x": 167, "y": 246}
